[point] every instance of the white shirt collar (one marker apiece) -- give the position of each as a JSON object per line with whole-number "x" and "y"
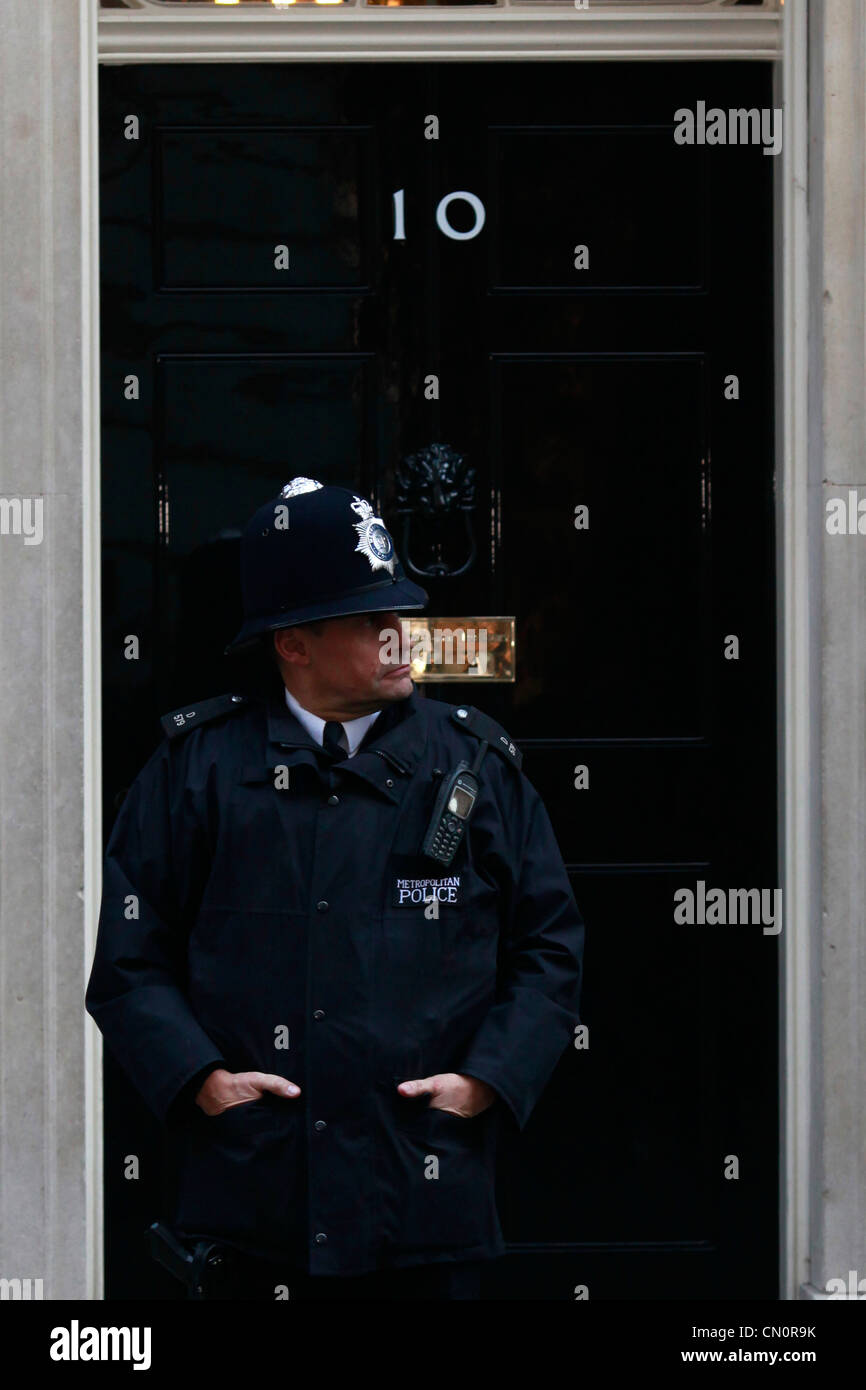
{"x": 315, "y": 727}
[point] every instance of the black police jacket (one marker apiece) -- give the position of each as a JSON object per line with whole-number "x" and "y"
{"x": 267, "y": 909}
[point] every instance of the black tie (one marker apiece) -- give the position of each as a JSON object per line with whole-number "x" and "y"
{"x": 331, "y": 740}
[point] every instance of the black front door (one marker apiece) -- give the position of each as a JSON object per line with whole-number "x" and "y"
{"x": 291, "y": 287}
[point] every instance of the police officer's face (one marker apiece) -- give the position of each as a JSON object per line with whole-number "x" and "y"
{"x": 349, "y": 665}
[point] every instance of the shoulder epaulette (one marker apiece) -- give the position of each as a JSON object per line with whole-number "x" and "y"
{"x": 483, "y": 727}
{"x": 192, "y": 716}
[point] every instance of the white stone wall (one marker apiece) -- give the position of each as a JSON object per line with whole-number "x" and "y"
{"x": 837, "y": 402}
{"x": 42, "y": 957}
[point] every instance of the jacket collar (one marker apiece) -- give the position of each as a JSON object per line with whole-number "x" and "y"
{"x": 389, "y": 753}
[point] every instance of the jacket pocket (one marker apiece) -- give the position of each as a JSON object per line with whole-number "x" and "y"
{"x": 239, "y": 1175}
{"x": 420, "y": 1111}
{"x": 259, "y": 1109}
{"x": 415, "y": 1110}
{"x": 406, "y": 1110}
{"x": 441, "y": 1179}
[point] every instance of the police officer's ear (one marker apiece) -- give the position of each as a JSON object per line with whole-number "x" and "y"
{"x": 291, "y": 643}
{"x": 285, "y": 642}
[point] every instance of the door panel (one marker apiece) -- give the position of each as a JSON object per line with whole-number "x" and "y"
{"x": 581, "y": 433}
{"x": 634, "y": 233}
{"x": 222, "y": 195}
{"x": 601, "y": 386}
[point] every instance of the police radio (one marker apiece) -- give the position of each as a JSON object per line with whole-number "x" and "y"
{"x": 453, "y": 807}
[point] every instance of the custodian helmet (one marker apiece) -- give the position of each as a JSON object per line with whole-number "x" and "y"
{"x": 317, "y": 552}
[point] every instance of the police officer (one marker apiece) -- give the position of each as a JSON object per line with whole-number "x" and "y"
{"x": 333, "y": 1023}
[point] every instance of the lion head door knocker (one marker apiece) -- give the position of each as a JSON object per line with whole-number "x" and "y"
{"x": 436, "y": 485}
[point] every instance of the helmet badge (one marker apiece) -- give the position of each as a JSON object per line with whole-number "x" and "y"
{"x": 373, "y": 538}
{"x": 298, "y": 486}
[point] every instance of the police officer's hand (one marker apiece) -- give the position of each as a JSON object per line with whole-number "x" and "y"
{"x": 459, "y": 1095}
{"x": 223, "y": 1089}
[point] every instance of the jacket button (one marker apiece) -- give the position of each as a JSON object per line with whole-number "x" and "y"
{"x": 320, "y": 1124}
{"x": 321, "y": 1238}
{"x": 318, "y": 1013}
{"x": 333, "y": 801}
{"x": 389, "y": 782}
{"x": 322, "y": 906}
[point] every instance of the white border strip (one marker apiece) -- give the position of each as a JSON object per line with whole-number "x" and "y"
{"x": 91, "y": 611}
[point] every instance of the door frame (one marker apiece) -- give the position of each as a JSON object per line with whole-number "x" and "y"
{"x": 547, "y": 34}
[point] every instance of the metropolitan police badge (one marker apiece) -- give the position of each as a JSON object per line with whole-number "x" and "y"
{"x": 373, "y": 538}
{"x": 419, "y": 892}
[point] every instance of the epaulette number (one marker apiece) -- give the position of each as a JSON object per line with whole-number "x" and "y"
{"x": 483, "y": 727}
{"x": 179, "y": 720}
